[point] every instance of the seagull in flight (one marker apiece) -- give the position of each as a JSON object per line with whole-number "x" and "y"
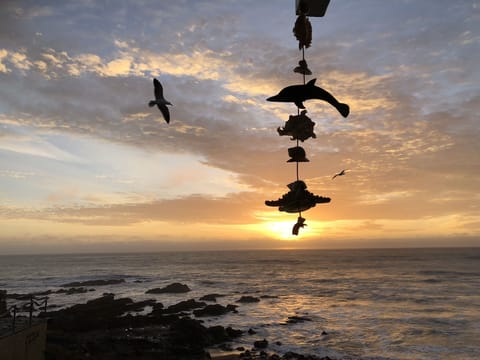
{"x": 160, "y": 100}
{"x": 341, "y": 173}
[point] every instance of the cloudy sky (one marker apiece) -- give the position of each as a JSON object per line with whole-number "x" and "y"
{"x": 86, "y": 165}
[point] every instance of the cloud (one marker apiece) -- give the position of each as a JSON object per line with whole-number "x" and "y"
{"x": 16, "y": 174}
{"x": 17, "y": 59}
{"x": 411, "y": 140}
{"x": 35, "y": 146}
{"x": 231, "y": 209}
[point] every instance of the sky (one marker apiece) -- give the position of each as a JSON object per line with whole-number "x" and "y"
{"x": 87, "y": 166}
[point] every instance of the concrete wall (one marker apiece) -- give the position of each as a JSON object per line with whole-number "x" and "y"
{"x": 25, "y": 344}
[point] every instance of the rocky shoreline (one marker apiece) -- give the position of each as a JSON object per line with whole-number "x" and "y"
{"x": 120, "y": 328}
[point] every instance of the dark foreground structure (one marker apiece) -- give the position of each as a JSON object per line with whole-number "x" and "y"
{"x": 26, "y": 342}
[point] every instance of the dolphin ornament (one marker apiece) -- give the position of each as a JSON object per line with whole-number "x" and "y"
{"x": 299, "y": 93}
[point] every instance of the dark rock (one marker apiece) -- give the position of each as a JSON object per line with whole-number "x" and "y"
{"x": 246, "y": 355}
{"x": 324, "y": 332}
{"x": 157, "y": 310}
{"x": 269, "y": 297}
{"x": 210, "y": 297}
{"x": 101, "y": 313}
{"x": 279, "y": 343}
{"x": 240, "y": 348}
{"x": 217, "y": 334}
{"x": 260, "y": 344}
{"x": 175, "y": 288}
{"x": 108, "y": 334}
{"x": 233, "y": 333}
{"x": 248, "y": 299}
{"x": 141, "y": 343}
{"x": 189, "y": 334}
{"x": 213, "y": 310}
{"x": 73, "y": 290}
{"x": 139, "y": 306}
{"x": 232, "y": 308}
{"x": 251, "y": 331}
{"x": 94, "y": 283}
{"x": 297, "y": 319}
{"x": 184, "y": 306}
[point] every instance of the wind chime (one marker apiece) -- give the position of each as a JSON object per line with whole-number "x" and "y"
{"x": 300, "y": 127}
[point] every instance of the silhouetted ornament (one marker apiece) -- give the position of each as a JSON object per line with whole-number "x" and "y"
{"x": 300, "y": 224}
{"x": 300, "y": 93}
{"x": 297, "y": 199}
{"x": 299, "y": 127}
{"x": 312, "y": 8}
{"x": 160, "y": 100}
{"x": 301, "y": 7}
{"x": 302, "y": 68}
{"x": 303, "y": 31}
{"x": 297, "y": 154}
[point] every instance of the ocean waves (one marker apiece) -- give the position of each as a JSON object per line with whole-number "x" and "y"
{"x": 384, "y": 304}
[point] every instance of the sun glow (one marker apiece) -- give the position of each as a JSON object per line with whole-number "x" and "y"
{"x": 281, "y": 230}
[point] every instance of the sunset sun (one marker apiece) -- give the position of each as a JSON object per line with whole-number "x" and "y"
{"x": 281, "y": 230}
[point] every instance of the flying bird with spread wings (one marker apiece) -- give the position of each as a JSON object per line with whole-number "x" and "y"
{"x": 160, "y": 100}
{"x": 341, "y": 173}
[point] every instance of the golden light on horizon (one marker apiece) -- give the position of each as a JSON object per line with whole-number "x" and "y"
{"x": 281, "y": 230}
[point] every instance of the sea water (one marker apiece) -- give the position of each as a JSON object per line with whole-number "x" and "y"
{"x": 375, "y": 303}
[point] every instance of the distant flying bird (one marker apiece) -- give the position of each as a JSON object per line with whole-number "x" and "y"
{"x": 299, "y": 93}
{"x": 160, "y": 100}
{"x": 341, "y": 173}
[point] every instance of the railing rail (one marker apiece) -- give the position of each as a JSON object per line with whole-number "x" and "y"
{"x": 34, "y": 304}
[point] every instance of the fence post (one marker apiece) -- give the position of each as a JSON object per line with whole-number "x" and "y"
{"x": 31, "y": 312}
{"x": 14, "y": 317}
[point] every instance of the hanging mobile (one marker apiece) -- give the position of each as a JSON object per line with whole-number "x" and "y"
{"x": 300, "y": 126}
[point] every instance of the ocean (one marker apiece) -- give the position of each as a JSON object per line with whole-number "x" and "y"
{"x": 377, "y": 303}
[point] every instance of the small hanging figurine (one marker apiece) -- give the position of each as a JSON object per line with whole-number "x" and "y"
{"x": 299, "y": 127}
{"x": 300, "y": 224}
{"x": 303, "y": 30}
{"x": 297, "y": 154}
{"x": 302, "y": 68}
{"x": 297, "y": 199}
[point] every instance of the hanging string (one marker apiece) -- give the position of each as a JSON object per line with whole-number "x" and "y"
{"x": 298, "y": 113}
{"x": 297, "y": 164}
{"x": 303, "y": 32}
{"x": 303, "y": 59}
